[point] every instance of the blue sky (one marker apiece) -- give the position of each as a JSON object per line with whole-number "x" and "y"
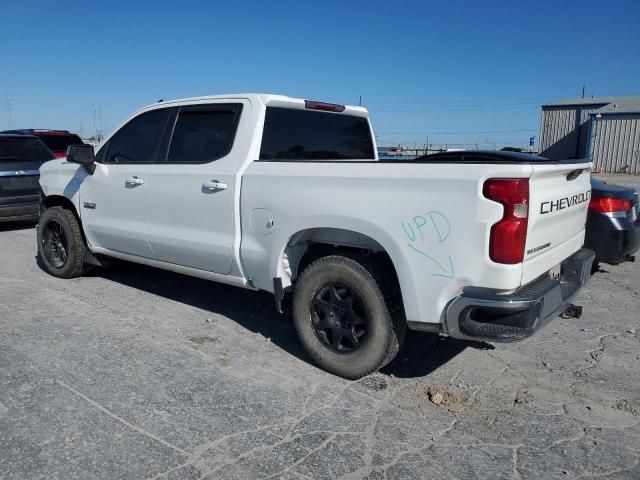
{"x": 452, "y": 72}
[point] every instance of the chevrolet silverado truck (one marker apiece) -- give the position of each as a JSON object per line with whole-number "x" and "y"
{"x": 285, "y": 195}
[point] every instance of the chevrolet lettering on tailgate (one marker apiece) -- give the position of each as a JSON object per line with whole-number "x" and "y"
{"x": 566, "y": 202}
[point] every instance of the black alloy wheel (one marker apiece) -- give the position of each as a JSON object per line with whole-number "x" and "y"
{"x": 338, "y": 318}
{"x": 55, "y": 244}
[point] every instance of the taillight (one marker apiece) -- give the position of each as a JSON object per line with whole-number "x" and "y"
{"x": 610, "y": 204}
{"x": 509, "y": 235}
{"x": 325, "y": 107}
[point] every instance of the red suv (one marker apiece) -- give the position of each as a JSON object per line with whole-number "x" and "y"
{"x": 56, "y": 140}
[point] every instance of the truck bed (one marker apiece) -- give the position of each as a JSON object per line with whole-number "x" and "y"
{"x": 429, "y": 215}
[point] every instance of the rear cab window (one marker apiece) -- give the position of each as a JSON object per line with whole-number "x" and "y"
{"x": 23, "y": 150}
{"x": 291, "y": 134}
{"x": 59, "y": 143}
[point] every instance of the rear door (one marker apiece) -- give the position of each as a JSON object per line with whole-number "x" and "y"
{"x": 20, "y": 159}
{"x": 558, "y": 202}
{"x": 190, "y": 198}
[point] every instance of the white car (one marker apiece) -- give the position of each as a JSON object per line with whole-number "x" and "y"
{"x": 287, "y": 195}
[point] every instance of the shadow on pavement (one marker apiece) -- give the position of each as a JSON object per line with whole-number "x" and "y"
{"x": 421, "y": 354}
{"x": 253, "y": 310}
{"x": 6, "y": 226}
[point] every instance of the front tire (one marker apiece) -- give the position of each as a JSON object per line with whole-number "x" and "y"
{"x": 342, "y": 318}
{"x": 60, "y": 243}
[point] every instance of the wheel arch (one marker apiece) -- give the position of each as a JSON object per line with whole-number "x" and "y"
{"x": 307, "y": 245}
{"x": 60, "y": 201}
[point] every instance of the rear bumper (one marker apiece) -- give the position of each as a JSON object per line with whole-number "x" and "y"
{"x": 493, "y": 317}
{"x": 612, "y": 238}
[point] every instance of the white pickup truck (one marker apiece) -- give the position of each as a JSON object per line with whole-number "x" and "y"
{"x": 288, "y": 195}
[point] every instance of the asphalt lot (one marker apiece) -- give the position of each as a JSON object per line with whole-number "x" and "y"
{"x": 137, "y": 373}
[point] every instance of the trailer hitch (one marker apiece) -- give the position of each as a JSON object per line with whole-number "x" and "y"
{"x": 572, "y": 311}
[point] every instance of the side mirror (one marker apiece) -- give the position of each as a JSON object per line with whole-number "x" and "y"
{"x": 83, "y": 155}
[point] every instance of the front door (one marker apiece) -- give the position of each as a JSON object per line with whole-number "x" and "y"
{"x": 113, "y": 199}
{"x": 190, "y": 199}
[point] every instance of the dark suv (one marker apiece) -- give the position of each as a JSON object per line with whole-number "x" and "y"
{"x": 20, "y": 160}
{"x": 56, "y": 140}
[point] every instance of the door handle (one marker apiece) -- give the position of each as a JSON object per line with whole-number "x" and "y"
{"x": 134, "y": 181}
{"x": 213, "y": 185}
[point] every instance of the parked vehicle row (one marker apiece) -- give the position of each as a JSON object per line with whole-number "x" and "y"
{"x": 57, "y": 140}
{"x": 21, "y": 157}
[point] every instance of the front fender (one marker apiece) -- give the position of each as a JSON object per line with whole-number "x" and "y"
{"x": 59, "y": 177}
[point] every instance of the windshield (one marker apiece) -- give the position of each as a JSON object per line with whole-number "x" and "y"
{"x": 25, "y": 149}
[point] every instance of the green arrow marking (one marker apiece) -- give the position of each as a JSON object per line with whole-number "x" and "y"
{"x": 444, "y": 272}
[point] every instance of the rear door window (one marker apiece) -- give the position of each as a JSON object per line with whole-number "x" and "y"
{"x": 291, "y": 134}
{"x": 203, "y": 134}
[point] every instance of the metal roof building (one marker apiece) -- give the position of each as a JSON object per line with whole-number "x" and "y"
{"x": 603, "y": 129}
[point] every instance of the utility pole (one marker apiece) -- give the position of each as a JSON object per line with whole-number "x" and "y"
{"x": 583, "y": 87}
{"x": 100, "y": 126}
{"x": 360, "y": 101}
{"x": 10, "y": 106}
{"x": 97, "y": 122}
{"x": 93, "y": 110}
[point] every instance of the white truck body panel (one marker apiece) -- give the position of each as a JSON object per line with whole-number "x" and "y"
{"x": 423, "y": 216}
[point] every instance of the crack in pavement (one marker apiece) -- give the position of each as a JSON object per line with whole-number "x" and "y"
{"x": 610, "y": 472}
{"x": 120, "y": 419}
{"x": 516, "y": 460}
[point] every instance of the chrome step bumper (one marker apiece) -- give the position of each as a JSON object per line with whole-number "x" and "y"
{"x": 493, "y": 317}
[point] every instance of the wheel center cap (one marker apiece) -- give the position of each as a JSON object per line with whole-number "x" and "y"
{"x": 336, "y": 317}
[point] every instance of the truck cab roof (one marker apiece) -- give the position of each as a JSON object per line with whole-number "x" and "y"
{"x": 265, "y": 99}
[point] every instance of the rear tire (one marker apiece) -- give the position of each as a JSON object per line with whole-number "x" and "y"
{"x": 60, "y": 243}
{"x": 342, "y": 318}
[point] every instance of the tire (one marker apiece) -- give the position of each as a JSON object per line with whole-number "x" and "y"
{"x": 333, "y": 296}
{"x": 61, "y": 246}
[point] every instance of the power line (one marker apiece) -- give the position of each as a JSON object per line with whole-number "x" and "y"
{"x": 470, "y": 108}
{"x": 469, "y": 132}
{"x": 458, "y": 105}
{"x": 462, "y": 102}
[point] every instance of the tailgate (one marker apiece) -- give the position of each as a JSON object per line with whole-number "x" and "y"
{"x": 558, "y": 200}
